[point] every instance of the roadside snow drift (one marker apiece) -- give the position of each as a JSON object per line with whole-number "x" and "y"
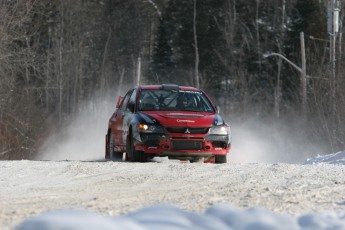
{"x": 219, "y": 217}
{"x": 335, "y": 158}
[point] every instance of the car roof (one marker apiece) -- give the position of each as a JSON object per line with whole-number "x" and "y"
{"x": 168, "y": 86}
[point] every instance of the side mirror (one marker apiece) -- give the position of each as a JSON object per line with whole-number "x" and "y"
{"x": 218, "y": 109}
{"x": 119, "y": 101}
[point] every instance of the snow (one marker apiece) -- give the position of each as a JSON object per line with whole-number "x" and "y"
{"x": 171, "y": 217}
{"x": 335, "y": 158}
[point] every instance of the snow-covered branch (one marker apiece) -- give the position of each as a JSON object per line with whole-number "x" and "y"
{"x": 156, "y": 7}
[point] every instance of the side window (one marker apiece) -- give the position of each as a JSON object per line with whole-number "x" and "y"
{"x": 131, "y": 103}
{"x": 125, "y": 100}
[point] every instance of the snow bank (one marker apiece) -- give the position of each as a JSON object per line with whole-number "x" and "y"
{"x": 335, "y": 158}
{"x": 170, "y": 217}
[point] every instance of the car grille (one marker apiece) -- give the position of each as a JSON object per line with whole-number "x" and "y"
{"x": 186, "y": 145}
{"x": 152, "y": 143}
{"x": 187, "y": 130}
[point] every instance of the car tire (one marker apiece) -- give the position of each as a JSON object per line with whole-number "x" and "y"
{"x": 220, "y": 159}
{"x": 134, "y": 155}
{"x": 113, "y": 155}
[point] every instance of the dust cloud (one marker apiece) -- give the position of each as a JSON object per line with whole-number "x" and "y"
{"x": 262, "y": 141}
{"x": 83, "y": 138}
{"x": 253, "y": 140}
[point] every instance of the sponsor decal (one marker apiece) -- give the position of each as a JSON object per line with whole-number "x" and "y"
{"x": 183, "y": 115}
{"x": 187, "y": 121}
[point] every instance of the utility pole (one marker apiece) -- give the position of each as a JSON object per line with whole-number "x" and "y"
{"x": 196, "y": 49}
{"x": 302, "y": 70}
{"x": 333, "y": 29}
{"x": 303, "y": 76}
{"x": 138, "y": 71}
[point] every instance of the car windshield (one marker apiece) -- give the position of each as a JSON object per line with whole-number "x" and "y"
{"x": 173, "y": 100}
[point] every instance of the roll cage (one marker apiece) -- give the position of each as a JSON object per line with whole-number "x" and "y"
{"x": 173, "y": 100}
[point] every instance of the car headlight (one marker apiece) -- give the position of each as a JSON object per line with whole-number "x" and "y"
{"x": 145, "y": 128}
{"x": 219, "y": 130}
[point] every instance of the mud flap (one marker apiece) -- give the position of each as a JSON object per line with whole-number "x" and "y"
{"x": 107, "y": 154}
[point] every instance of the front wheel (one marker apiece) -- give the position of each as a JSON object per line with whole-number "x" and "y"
{"x": 220, "y": 159}
{"x": 113, "y": 155}
{"x": 134, "y": 155}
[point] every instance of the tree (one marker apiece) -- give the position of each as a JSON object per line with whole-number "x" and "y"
{"x": 184, "y": 41}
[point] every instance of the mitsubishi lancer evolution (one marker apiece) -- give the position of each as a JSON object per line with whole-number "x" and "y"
{"x": 167, "y": 120}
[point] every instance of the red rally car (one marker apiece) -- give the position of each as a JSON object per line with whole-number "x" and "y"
{"x": 167, "y": 121}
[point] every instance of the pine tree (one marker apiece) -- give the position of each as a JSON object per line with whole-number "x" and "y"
{"x": 163, "y": 65}
{"x": 174, "y": 55}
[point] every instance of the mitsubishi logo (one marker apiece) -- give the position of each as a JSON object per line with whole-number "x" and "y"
{"x": 187, "y": 131}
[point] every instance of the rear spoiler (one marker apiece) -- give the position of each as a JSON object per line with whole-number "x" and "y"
{"x": 170, "y": 87}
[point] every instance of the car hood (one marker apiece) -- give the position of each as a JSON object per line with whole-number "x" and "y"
{"x": 183, "y": 119}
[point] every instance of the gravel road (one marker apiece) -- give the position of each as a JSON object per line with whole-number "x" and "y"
{"x": 28, "y": 188}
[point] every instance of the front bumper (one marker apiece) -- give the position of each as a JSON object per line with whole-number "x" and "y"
{"x": 183, "y": 146}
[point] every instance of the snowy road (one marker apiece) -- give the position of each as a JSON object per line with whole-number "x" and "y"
{"x": 28, "y": 188}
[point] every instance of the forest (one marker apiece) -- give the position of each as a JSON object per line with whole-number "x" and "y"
{"x": 57, "y": 55}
